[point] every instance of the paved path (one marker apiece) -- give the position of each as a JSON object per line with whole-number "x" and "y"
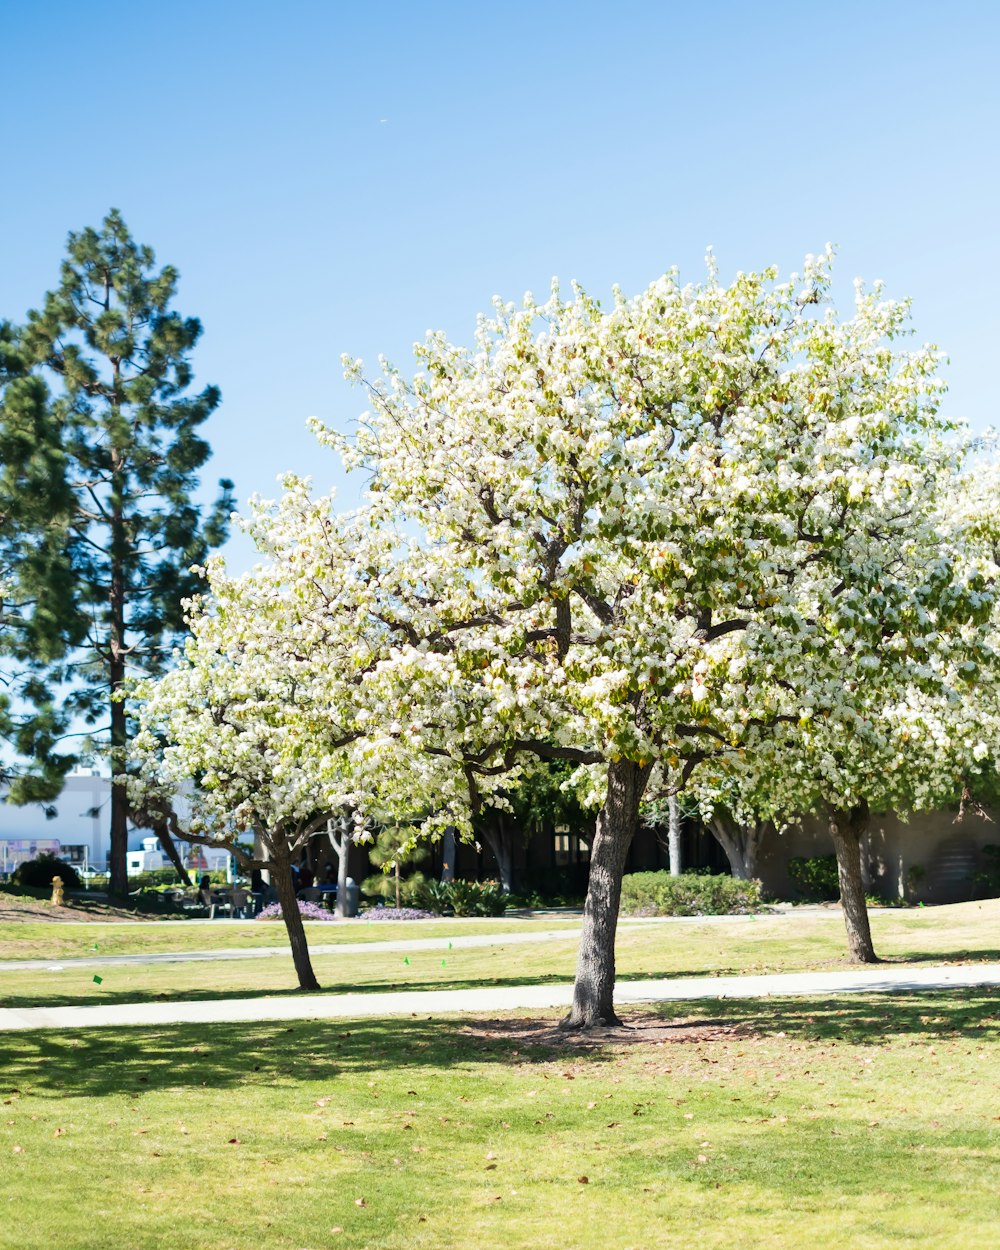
{"x": 390, "y": 946}
{"x": 428, "y": 1003}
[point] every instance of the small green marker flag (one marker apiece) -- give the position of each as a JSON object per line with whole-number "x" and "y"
{"x": 443, "y": 962}
{"x": 406, "y": 959}
{"x": 449, "y": 946}
{"x": 97, "y": 979}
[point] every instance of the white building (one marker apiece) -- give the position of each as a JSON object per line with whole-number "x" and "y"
{"x": 77, "y": 829}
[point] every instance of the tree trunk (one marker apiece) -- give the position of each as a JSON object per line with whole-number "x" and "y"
{"x": 740, "y": 842}
{"x": 448, "y": 854}
{"x": 118, "y": 854}
{"x": 674, "y": 835}
{"x": 593, "y": 991}
{"x": 846, "y": 830}
{"x": 117, "y": 650}
{"x": 343, "y": 845}
{"x": 281, "y": 877}
{"x": 171, "y": 851}
{"x": 501, "y": 844}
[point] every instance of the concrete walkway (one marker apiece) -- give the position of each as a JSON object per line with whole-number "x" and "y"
{"x": 429, "y": 1003}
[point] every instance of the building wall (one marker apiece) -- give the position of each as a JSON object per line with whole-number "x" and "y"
{"x": 931, "y": 857}
{"x": 81, "y": 819}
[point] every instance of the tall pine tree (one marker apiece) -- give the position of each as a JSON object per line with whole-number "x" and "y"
{"x": 117, "y": 359}
{"x": 37, "y": 621}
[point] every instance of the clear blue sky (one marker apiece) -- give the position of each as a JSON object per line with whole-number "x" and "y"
{"x": 337, "y": 177}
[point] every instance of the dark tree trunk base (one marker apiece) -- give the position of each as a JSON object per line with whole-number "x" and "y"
{"x": 572, "y": 1023}
{"x": 594, "y": 987}
{"x": 281, "y": 872}
{"x": 846, "y": 829}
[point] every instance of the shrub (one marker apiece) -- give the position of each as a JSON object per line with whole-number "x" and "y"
{"x": 462, "y": 898}
{"x": 38, "y": 873}
{"x": 308, "y": 911}
{"x": 394, "y": 913}
{"x": 690, "y": 894}
{"x": 155, "y": 878}
{"x": 540, "y": 899}
{"x": 815, "y": 877}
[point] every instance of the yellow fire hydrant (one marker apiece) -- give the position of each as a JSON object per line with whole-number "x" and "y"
{"x": 57, "y": 891}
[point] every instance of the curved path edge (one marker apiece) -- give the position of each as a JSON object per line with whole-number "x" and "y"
{"x": 878, "y": 979}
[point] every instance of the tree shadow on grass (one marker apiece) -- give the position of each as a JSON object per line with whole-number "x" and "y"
{"x": 859, "y": 1019}
{"x": 985, "y": 955}
{"x": 106, "y": 997}
{"x": 134, "y": 1061}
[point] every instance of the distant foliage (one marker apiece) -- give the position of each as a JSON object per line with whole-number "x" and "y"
{"x": 38, "y": 873}
{"x": 660, "y": 894}
{"x": 383, "y": 885}
{"x": 815, "y": 877}
{"x": 463, "y": 898}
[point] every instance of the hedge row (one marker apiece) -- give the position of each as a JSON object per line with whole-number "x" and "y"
{"x": 690, "y": 894}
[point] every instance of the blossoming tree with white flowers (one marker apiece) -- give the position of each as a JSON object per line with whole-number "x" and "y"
{"x": 264, "y": 727}
{"x": 235, "y": 728}
{"x": 635, "y": 538}
{"x": 906, "y": 716}
{"x": 635, "y": 524}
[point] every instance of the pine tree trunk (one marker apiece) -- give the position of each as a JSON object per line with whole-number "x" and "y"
{"x": 281, "y": 878}
{"x": 118, "y": 854}
{"x": 593, "y": 991}
{"x": 117, "y": 649}
{"x": 846, "y": 829}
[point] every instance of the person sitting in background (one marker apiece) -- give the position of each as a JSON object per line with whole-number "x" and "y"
{"x": 306, "y": 877}
{"x": 205, "y": 890}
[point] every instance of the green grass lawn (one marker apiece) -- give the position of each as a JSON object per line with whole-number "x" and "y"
{"x": 45, "y": 940}
{"x": 764, "y": 944}
{"x": 781, "y": 1124}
